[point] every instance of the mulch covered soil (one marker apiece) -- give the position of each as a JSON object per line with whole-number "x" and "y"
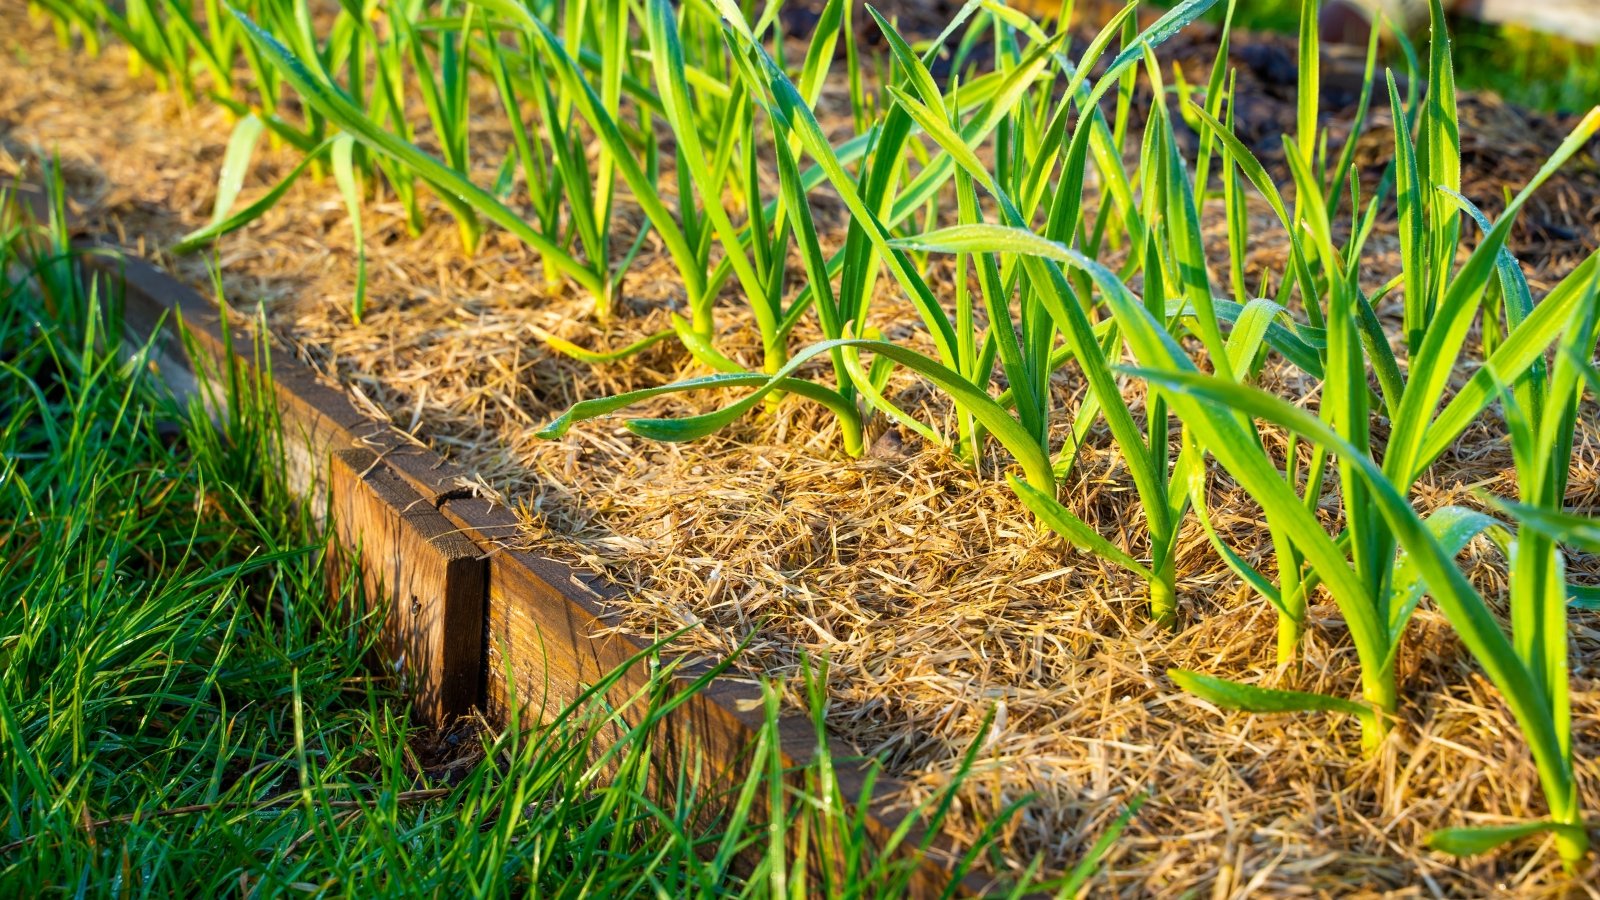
{"x": 929, "y": 590}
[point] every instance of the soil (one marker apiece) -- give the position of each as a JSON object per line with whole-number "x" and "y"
{"x": 934, "y": 598}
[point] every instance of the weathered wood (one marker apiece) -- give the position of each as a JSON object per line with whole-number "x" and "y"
{"x": 317, "y": 417}
{"x": 531, "y": 660}
{"x": 537, "y": 619}
{"x": 1576, "y": 20}
{"x": 428, "y": 577}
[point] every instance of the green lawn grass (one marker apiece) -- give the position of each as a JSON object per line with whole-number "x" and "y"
{"x": 1047, "y": 299}
{"x": 1525, "y": 67}
{"x": 185, "y": 710}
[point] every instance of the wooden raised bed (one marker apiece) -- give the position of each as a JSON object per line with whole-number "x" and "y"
{"x": 1577, "y": 20}
{"x": 465, "y": 610}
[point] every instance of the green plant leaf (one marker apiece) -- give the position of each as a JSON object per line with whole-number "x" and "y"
{"x": 1452, "y": 527}
{"x": 454, "y": 188}
{"x": 236, "y": 164}
{"x": 1564, "y": 528}
{"x": 350, "y": 187}
{"x": 1249, "y": 698}
{"x": 1466, "y": 610}
{"x": 198, "y": 238}
{"x": 1483, "y": 838}
{"x": 601, "y": 357}
{"x": 1073, "y": 529}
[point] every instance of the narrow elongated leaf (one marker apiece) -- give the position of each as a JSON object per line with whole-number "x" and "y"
{"x": 1035, "y": 462}
{"x": 236, "y": 164}
{"x": 871, "y": 387}
{"x": 1250, "y": 698}
{"x": 1463, "y": 607}
{"x": 198, "y": 238}
{"x": 1086, "y": 867}
{"x": 667, "y": 55}
{"x": 1041, "y": 257}
{"x": 1483, "y": 838}
{"x": 1583, "y": 596}
{"x": 454, "y": 187}
{"x": 1439, "y": 144}
{"x": 1441, "y": 346}
{"x": 1410, "y": 198}
{"x": 1581, "y": 532}
{"x": 602, "y": 357}
{"x": 1452, "y": 527}
{"x": 1173, "y": 21}
{"x": 1513, "y": 284}
{"x": 1250, "y": 332}
{"x": 1310, "y": 80}
{"x": 1521, "y": 350}
{"x": 1239, "y": 155}
{"x": 698, "y": 426}
{"x": 1235, "y": 563}
{"x": 790, "y": 110}
{"x": 350, "y": 188}
{"x": 1077, "y": 532}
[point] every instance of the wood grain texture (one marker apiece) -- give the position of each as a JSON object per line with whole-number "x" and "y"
{"x": 542, "y": 654}
{"x": 539, "y": 621}
{"x": 427, "y": 578}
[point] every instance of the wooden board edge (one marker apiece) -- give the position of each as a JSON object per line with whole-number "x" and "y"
{"x": 192, "y": 341}
{"x": 722, "y": 720}
{"x": 428, "y": 580}
{"x": 1575, "y": 20}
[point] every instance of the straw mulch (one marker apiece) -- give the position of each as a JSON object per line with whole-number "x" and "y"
{"x": 934, "y": 598}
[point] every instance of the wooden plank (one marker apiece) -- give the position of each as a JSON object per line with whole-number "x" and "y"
{"x": 537, "y": 617}
{"x": 1575, "y": 20}
{"x": 317, "y": 417}
{"x": 429, "y": 577}
{"x": 530, "y": 658}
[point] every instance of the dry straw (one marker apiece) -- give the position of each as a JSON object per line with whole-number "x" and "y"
{"x": 1090, "y": 339}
